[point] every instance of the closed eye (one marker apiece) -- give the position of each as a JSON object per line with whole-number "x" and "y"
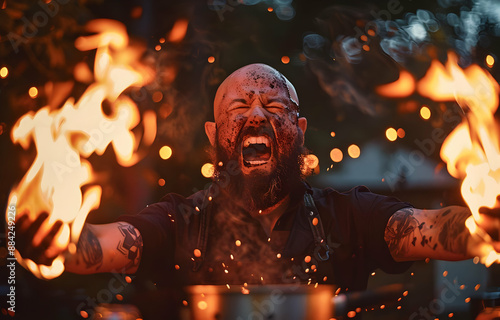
{"x": 275, "y": 107}
{"x": 238, "y": 106}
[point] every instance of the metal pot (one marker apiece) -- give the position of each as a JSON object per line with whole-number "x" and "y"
{"x": 276, "y": 302}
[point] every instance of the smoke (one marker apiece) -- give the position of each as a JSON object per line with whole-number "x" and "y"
{"x": 357, "y": 49}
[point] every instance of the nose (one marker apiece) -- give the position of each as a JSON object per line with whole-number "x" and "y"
{"x": 257, "y": 116}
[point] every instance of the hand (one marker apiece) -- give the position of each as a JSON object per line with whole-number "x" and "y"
{"x": 43, "y": 252}
{"x": 490, "y": 222}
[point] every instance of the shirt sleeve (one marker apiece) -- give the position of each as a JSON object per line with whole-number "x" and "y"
{"x": 158, "y": 233}
{"x": 373, "y": 213}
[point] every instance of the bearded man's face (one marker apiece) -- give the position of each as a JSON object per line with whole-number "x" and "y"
{"x": 257, "y": 126}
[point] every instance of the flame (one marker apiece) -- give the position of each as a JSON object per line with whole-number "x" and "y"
{"x": 472, "y": 150}
{"x": 403, "y": 87}
{"x": 65, "y": 137}
{"x": 178, "y": 31}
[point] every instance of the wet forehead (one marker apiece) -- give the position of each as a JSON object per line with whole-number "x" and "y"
{"x": 248, "y": 86}
{"x": 249, "y": 83}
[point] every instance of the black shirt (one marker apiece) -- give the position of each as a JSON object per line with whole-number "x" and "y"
{"x": 238, "y": 250}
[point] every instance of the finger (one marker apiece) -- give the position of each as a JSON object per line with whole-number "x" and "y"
{"x": 22, "y": 222}
{"x": 496, "y": 246}
{"x": 495, "y": 212}
{"x": 491, "y": 225}
{"x": 33, "y": 228}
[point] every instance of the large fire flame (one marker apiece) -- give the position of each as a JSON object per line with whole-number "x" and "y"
{"x": 471, "y": 151}
{"x": 66, "y": 136}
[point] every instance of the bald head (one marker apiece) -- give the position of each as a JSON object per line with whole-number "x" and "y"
{"x": 247, "y": 81}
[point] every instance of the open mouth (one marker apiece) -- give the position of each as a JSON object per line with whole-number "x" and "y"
{"x": 256, "y": 151}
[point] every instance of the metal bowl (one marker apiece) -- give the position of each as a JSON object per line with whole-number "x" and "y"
{"x": 277, "y": 302}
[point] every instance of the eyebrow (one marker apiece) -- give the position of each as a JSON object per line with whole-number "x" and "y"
{"x": 238, "y": 100}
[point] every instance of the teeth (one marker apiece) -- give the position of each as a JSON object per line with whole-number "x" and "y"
{"x": 256, "y": 140}
{"x": 256, "y": 162}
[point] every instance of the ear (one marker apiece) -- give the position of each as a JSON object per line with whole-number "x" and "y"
{"x": 302, "y": 124}
{"x": 210, "y": 131}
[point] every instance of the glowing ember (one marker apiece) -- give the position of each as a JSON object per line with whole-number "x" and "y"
{"x": 285, "y": 59}
{"x": 65, "y": 137}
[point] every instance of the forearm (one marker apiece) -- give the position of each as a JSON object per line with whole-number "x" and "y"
{"x": 106, "y": 248}
{"x": 413, "y": 234}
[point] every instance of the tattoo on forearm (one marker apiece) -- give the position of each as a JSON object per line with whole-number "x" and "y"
{"x": 89, "y": 248}
{"x": 404, "y": 229}
{"x": 130, "y": 245}
{"x": 399, "y": 233}
{"x": 454, "y": 234}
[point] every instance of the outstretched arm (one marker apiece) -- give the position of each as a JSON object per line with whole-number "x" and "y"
{"x": 106, "y": 248}
{"x": 415, "y": 234}
{"x": 100, "y": 248}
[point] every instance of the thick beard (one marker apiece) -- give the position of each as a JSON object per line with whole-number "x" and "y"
{"x": 260, "y": 191}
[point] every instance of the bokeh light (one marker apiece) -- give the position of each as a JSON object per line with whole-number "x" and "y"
{"x": 354, "y": 151}
{"x": 4, "y": 72}
{"x": 391, "y": 134}
{"x": 285, "y": 59}
{"x": 490, "y": 61}
{"x": 336, "y": 155}
{"x": 33, "y": 92}
{"x": 165, "y": 152}
{"x": 207, "y": 170}
{"x": 157, "y": 96}
{"x": 425, "y": 113}
{"x": 401, "y": 133}
{"x": 211, "y": 59}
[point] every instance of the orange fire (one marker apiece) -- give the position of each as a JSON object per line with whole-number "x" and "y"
{"x": 66, "y": 136}
{"x": 472, "y": 149}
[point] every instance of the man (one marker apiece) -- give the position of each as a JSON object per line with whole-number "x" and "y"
{"x": 259, "y": 222}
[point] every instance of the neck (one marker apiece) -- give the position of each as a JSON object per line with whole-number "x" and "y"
{"x": 268, "y": 217}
